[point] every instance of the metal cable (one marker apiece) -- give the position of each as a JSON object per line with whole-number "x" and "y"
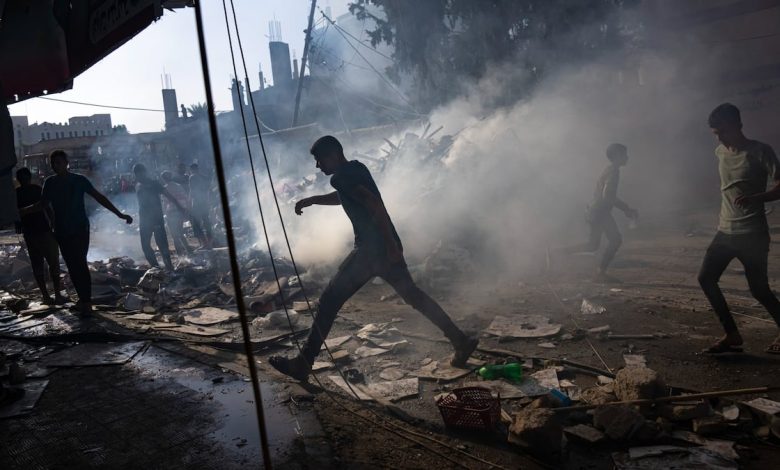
{"x": 231, "y": 240}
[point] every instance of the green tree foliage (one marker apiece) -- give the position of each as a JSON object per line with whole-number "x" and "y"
{"x": 198, "y": 111}
{"x": 439, "y": 43}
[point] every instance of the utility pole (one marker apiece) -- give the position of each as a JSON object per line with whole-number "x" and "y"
{"x": 303, "y": 63}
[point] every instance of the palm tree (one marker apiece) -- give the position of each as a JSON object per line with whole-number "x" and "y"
{"x": 198, "y": 111}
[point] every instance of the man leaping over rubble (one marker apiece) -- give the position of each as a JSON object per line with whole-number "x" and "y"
{"x": 64, "y": 192}
{"x": 743, "y": 232}
{"x": 377, "y": 252}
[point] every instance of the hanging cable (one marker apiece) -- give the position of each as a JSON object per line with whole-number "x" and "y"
{"x": 389, "y": 426}
{"x": 359, "y": 41}
{"x": 236, "y": 273}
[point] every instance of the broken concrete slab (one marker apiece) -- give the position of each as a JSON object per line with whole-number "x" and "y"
{"x": 321, "y": 365}
{"x": 721, "y": 447}
{"x": 522, "y": 326}
{"x": 686, "y": 411}
{"x": 584, "y": 433}
{"x": 206, "y": 316}
{"x": 382, "y": 335}
{"x": 539, "y": 430}
{"x": 635, "y": 383}
{"x": 618, "y": 422}
{"x": 710, "y": 425}
{"x": 93, "y": 354}
{"x": 764, "y": 405}
{"x": 588, "y": 307}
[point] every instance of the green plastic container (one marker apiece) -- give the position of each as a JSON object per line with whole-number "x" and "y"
{"x": 512, "y": 372}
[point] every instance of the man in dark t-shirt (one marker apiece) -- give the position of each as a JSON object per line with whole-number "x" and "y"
{"x": 64, "y": 193}
{"x": 38, "y": 238}
{"x": 377, "y": 252}
{"x": 150, "y": 215}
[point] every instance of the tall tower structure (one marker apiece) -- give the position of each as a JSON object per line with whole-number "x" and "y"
{"x": 170, "y": 105}
{"x": 281, "y": 68}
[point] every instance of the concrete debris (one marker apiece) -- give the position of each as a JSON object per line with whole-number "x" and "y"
{"x": 764, "y": 405}
{"x": 523, "y": 326}
{"x": 604, "y": 380}
{"x": 598, "y": 396}
{"x": 538, "y": 430}
{"x": 619, "y": 422}
{"x": 133, "y": 301}
{"x": 589, "y": 307}
{"x": 666, "y": 457}
{"x": 500, "y": 388}
{"x": 321, "y": 365}
{"x": 686, "y": 411}
{"x": 547, "y": 345}
{"x": 634, "y": 383}
{"x": 718, "y": 446}
{"x": 634, "y": 360}
{"x": 710, "y": 425}
{"x": 444, "y": 372}
{"x": 303, "y": 306}
{"x": 277, "y": 319}
{"x": 730, "y": 412}
{"x": 585, "y": 433}
{"x": 333, "y": 343}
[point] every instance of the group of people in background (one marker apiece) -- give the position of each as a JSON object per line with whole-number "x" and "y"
{"x": 54, "y": 221}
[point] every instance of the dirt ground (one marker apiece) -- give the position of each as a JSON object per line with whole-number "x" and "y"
{"x": 659, "y": 294}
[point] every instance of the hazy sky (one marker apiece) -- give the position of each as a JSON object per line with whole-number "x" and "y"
{"x": 130, "y": 76}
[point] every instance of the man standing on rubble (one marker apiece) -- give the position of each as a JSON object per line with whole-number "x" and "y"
{"x": 744, "y": 165}
{"x": 150, "y": 216}
{"x": 599, "y": 215}
{"x": 64, "y": 193}
{"x": 38, "y": 237}
{"x": 377, "y": 252}
{"x": 173, "y": 215}
{"x": 199, "y": 198}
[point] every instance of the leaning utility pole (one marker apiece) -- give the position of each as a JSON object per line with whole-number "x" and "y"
{"x": 303, "y": 63}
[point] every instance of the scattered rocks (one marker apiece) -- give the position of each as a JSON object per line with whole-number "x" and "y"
{"x": 636, "y": 383}
{"x": 585, "y": 433}
{"x": 539, "y": 430}
{"x": 598, "y": 396}
{"x": 619, "y": 422}
{"x": 686, "y": 411}
{"x": 710, "y": 425}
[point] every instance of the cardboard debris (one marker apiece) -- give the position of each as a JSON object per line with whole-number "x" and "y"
{"x": 140, "y": 316}
{"x": 382, "y": 335}
{"x": 523, "y": 326}
{"x": 333, "y": 343}
{"x": 206, "y": 316}
{"x": 443, "y": 371}
{"x": 321, "y": 365}
{"x": 365, "y": 351}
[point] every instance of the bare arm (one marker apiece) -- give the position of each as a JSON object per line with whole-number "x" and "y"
{"x": 103, "y": 201}
{"x": 380, "y": 216}
{"x": 32, "y": 208}
{"x": 331, "y": 199}
{"x": 173, "y": 200}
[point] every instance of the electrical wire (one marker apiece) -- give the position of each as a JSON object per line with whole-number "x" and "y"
{"x": 380, "y": 74}
{"x": 236, "y": 273}
{"x": 96, "y": 105}
{"x": 360, "y": 41}
{"x": 303, "y": 290}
